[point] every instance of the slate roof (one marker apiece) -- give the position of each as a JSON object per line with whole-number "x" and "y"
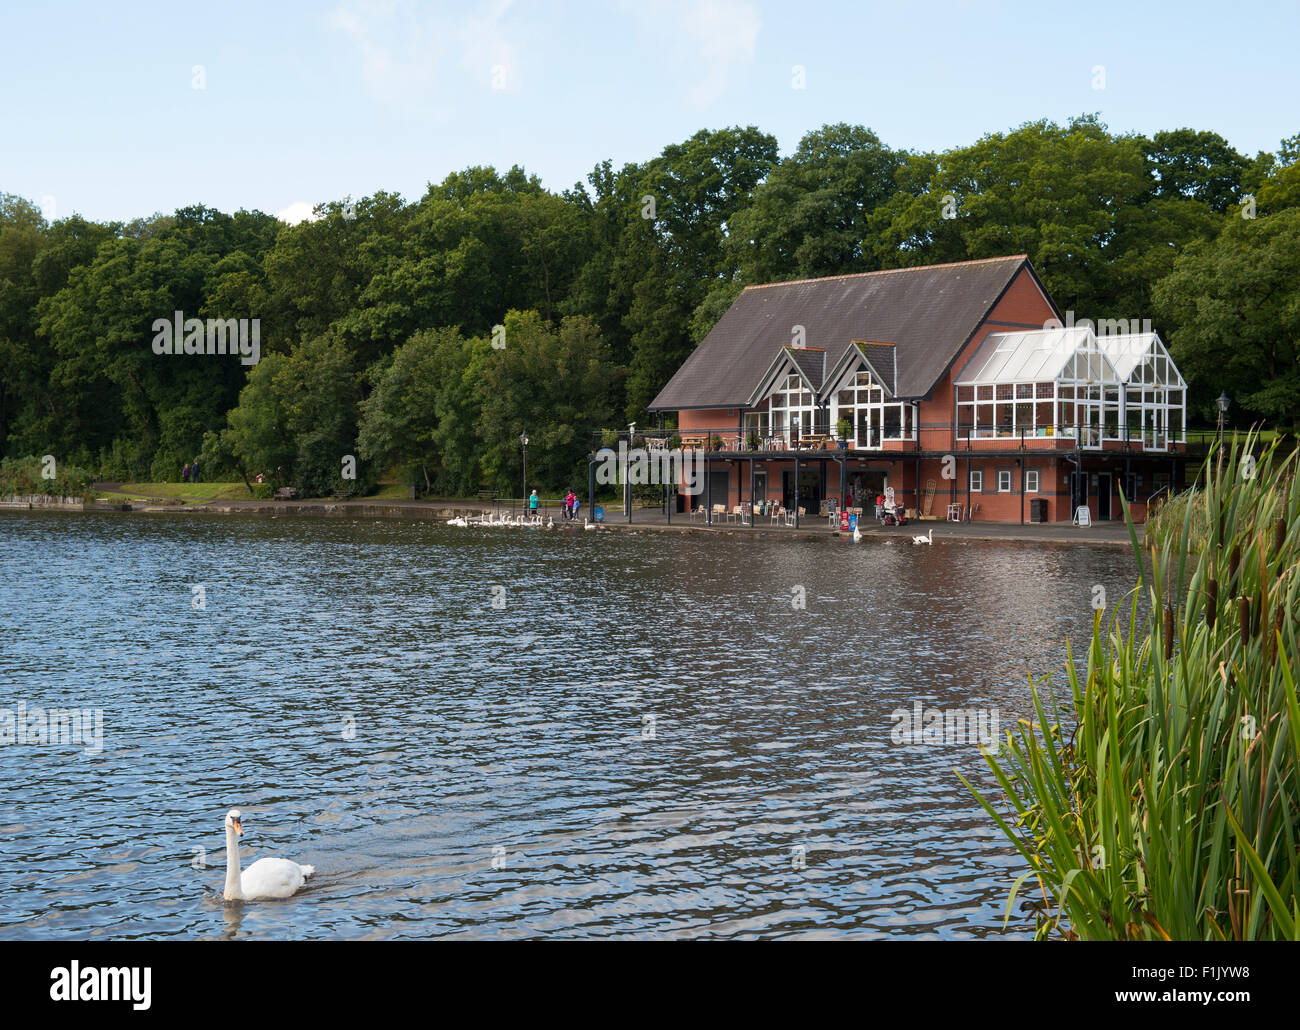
{"x": 928, "y": 313}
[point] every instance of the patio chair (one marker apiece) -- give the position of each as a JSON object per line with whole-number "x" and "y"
{"x": 778, "y": 514}
{"x": 719, "y": 512}
{"x": 741, "y": 515}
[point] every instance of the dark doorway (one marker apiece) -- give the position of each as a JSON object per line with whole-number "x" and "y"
{"x": 1078, "y": 491}
{"x": 719, "y": 484}
{"x": 810, "y": 489}
{"x": 1104, "y": 489}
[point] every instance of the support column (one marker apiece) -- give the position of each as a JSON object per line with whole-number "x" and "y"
{"x": 752, "y": 520}
{"x": 708, "y": 492}
{"x": 968, "y": 488}
{"x": 591, "y": 489}
{"x": 796, "y": 490}
{"x": 1022, "y": 490}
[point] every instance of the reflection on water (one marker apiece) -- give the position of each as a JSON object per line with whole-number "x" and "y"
{"x": 649, "y": 737}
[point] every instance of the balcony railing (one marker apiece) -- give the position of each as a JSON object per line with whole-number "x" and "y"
{"x": 927, "y": 440}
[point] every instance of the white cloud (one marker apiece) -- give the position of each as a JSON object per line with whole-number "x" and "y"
{"x": 298, "y": 211}
{"x": 487, "y": 53}
{"x": 724, "y": 34}
{"x": 398, "y": 53}
{"x": 715, "y": 37}
{"x": 406, "y": 49}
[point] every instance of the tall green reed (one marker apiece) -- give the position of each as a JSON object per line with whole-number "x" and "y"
{"x": 1165, "y": 804}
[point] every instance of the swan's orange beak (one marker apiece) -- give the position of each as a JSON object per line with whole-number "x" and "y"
{"x": 239, "y": 827}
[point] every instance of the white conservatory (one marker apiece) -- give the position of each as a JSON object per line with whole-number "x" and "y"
{"x": 1067, "y": 384}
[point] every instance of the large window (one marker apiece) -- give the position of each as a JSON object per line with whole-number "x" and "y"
{"x": 862, "y": 402}
{"x": 793, "y": 409}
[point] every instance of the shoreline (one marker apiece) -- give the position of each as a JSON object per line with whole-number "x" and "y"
{"x": 1109, "y": 534}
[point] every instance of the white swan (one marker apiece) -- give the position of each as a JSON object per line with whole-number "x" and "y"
{"x": 589, "y": 525}
{"x": 266, "y": 878}
{"x": 927, "y": 539}
{"x": 550, "y": 522}
{"x": 857, "y": 535}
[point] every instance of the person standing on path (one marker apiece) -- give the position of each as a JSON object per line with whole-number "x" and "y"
{"x": 185, "y": 473}
{"x": 532, "y": 502}
{"x": 194, "y": 472}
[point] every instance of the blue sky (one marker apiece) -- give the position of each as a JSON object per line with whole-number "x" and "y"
{"x": 306, "y": 102}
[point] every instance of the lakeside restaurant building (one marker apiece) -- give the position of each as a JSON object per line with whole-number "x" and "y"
{"x": 939, "y": 382}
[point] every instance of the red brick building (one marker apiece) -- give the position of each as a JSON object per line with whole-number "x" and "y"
{"x": 955, "y": 385}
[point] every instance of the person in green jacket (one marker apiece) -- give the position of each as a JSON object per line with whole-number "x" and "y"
{"x": 532, "y": 502}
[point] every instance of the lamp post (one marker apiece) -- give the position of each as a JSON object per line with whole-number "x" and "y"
{"x": 523, "y": 440}
{"x": 1222, "y": 401}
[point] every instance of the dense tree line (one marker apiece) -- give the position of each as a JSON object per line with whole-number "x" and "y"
{"x": 424, "y": 337}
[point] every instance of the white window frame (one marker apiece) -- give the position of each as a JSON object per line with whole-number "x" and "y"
{"x": 1032, "y": 481}
{"x": 1007, "y": 473}
{"x": 976, "y": 485}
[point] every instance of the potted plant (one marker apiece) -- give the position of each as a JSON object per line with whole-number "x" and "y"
{"x": 844, "y": 428}
{"x": 716, "y": 442}
{"x": 675, "y": 442}
{"x": 753, "y": 440}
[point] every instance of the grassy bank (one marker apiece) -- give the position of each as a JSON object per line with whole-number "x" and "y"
{"x": 1161, "y": 800}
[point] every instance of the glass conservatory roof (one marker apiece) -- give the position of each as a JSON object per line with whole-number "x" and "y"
{"x": 1127, "y": 351}
{"x": 1037, "y": 356}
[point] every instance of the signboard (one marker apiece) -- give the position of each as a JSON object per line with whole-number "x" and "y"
{"x": 844, "y": 522}
{"x": 853, "y": 523}
{"x": 1082, "y": 516}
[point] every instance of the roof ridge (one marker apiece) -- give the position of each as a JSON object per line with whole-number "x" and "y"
{"x": 887, "y": 271}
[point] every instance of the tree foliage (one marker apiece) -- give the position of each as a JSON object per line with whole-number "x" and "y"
{"x": 382, "y": 321}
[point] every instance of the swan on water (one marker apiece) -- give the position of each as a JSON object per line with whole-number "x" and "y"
{"x": 857, "y": 535}
{"x": 266, "y": 878}
{"x": 589, "y": 525}
{"x": 927, "y": 539}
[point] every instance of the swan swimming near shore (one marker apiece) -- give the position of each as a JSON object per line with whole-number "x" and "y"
{"x": 266, "y": 878}
{"x": 857, "y": 535}
{"x": 927, "y": 539}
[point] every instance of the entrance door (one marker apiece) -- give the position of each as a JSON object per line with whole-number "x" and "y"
{"x": 719, "y": 483}
{"x": 810, "y": 490}
{"x": 1104, "y": 489}
{"x": 1078, "y": 490}
{"x": 760, "y": 487}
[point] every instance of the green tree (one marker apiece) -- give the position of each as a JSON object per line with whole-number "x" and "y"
{"x": 1198, "y": 166}
{"x": 421, "y": 412}
{"x": 1235, "y": 304}
{"x": 555, "y": 384}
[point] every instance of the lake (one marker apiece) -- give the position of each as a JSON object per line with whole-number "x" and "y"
{"x": 514, "y": 733}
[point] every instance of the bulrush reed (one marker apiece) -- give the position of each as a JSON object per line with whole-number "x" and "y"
{"x": 1165, "y": 804}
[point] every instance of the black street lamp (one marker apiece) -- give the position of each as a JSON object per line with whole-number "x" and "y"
{"x": 1223, "y": 401}
{"x": 523, "y": 440}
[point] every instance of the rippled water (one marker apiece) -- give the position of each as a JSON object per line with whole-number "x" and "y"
{"x": 352, "y": 688}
